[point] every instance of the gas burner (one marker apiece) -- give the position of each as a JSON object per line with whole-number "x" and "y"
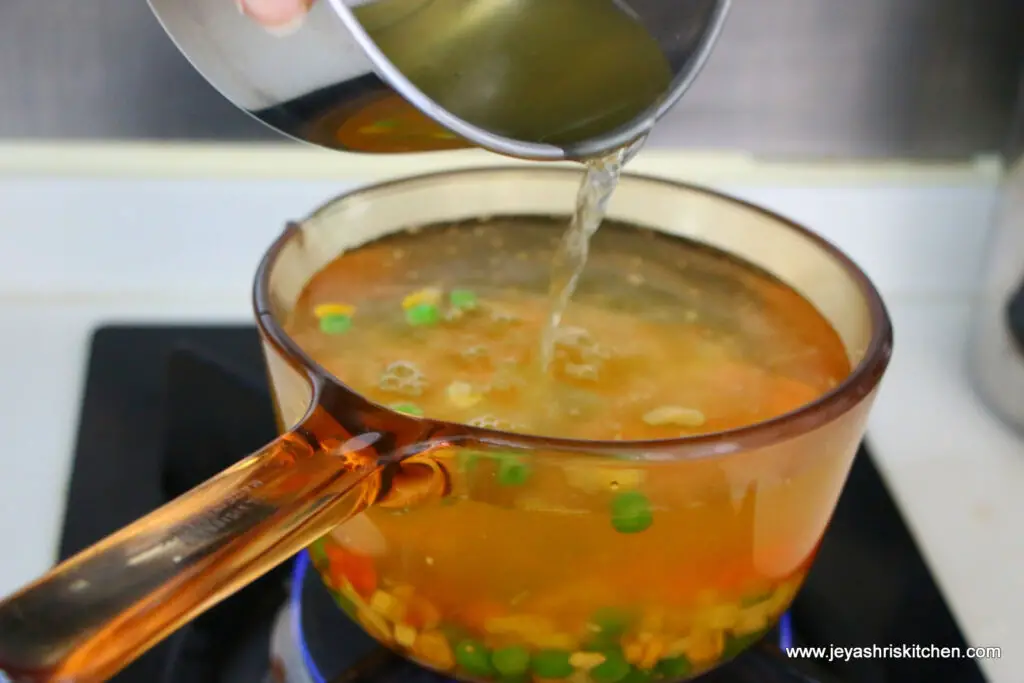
{"x": 167, "y": 407}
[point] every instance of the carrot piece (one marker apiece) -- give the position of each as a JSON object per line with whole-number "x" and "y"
{"x": 477, "y": 614}
{"x": 358, "y": 570}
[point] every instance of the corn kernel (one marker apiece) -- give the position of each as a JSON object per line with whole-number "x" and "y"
{"x": 719, "y": 617}
{"x": 704, "y": 646}
{"x": 431, "y": 648}
{"x": 405, "y": 635}
{"x": 374, "y": 624}
{"x": 751, "y": 620}
{"x": 387, "y": 605}
{"x": 324, "y": 310}
{"x": 674, "y": 415}
{"x": 586, "y": 660}
{"x": 428, "y": 295}
{"x": 461, "y": 395}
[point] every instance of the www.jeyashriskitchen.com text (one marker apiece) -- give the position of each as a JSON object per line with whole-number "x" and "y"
{"x": 834, "y": 653}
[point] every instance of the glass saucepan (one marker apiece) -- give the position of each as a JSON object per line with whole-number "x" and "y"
{"x": 342, "y": 460}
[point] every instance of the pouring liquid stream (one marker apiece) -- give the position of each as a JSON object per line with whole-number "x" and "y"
{"x": 599, "y": 183}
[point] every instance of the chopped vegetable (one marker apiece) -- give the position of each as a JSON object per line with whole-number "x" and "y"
{"x": 612, "y": 670}
{"x": 638, "y": 676}
{"x": 606, "y": 627}
{"x": 674, "y": 667}
{"x": 461, "y": 395}
{"x": 467, "y": 459}
{"x": 422, "y": 315}
{"x": 513, "y": 470}
{"x": 462, "y": 299}
{"x": 357, "y": 569}
{"x": 511, "y": 661}
{"x": 328, "y": 310}
{"x": 335, "y": 324}
{"x": 586, "y": 660}
{"x": 346, "y": 605}
{"x": 432, "y": 648}
{"x": 674, "y": 415}
{"x": 552, "y": 664}
{"x": 405, "y": 635}
{"x": 473, "y": 657}
{"x": 631, "y": 512}
{"x": 430, "y": 296}
{"x": 407, "y": 408}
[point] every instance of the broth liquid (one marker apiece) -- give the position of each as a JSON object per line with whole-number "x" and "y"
{"x": 556, "y": 561}
{"x": 490, "y": 62}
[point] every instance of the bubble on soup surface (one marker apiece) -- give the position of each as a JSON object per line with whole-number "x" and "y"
{"x": 674, "y": 415}
{"x": 475, "y": 352}
{"x": 577, "y": 344}
{"x": 403, "y": 377}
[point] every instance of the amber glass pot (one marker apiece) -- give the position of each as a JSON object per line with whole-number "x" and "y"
{"x": 342, "y": 461}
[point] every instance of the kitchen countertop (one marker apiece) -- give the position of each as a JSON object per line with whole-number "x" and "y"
{"x": 79, "y": 251}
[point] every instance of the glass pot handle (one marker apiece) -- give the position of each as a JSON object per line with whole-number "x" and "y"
{"x": 95, "y": 613}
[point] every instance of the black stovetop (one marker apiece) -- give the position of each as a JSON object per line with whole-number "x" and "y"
{"x": 165, "y": 408}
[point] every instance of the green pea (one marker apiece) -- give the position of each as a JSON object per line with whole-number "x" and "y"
{"x": 552, "y": 664}
{"x": 408, "y": 409}
{"x": 463, "y": 299}
{"x": 631, "y": 512}
{"x": 611, "y": 620}
{"x": 473, "y": 657}
{"x": 674, "y": 667}
{"x": 613, "y": 669}
{"x": 606, "y": 627}
{"x": 511, "y": 661}
{"x": 467, "y": 460}
{"x": 638, "y": 676}
{"x": 422, "y": 315}
{"x": 335, "y": 324}
{"x": 513, "y": 470}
